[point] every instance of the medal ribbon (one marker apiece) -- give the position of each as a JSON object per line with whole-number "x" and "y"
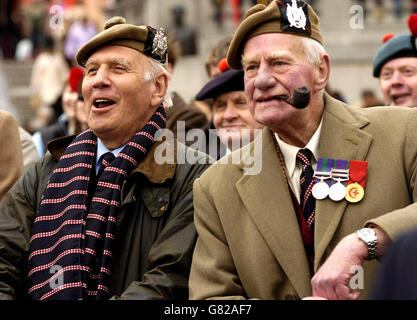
{"x": 357, "y": 172}
{"x": 323, "y": 170}
{"x": 340, "y": 171}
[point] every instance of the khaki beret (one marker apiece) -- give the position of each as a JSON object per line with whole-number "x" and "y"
{"x": 117, "y": 32}
{"x": 280, "y": 16}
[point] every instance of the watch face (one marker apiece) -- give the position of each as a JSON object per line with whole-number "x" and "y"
{"x": 367, "y": 234}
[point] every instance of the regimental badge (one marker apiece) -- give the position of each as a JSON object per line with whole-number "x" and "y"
{"x": 296, "y": 16}
{"x": 160, "y": 45}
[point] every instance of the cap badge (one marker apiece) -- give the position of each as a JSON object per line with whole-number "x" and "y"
{"x": 296, "y": 16}
{"x": 160, "y": 46}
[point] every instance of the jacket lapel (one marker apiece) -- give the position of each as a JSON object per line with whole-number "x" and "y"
{"x": 267, "y": 199}
{"x": 341, "y": 138}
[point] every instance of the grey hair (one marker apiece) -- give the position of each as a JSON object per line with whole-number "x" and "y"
{"x": 156, "y": 68}
{"x": 313, "y": 50}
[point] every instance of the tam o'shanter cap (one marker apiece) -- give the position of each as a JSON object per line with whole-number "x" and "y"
{"x": 227, "y": 81}
{"x": 280, "y": 16}
{"x": 403, "y": 45}
{"x": 117, "y": 32}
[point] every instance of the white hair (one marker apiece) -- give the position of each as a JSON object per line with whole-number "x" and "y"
{"x": 155, "y": 69}
{"x": 313, "y": 50}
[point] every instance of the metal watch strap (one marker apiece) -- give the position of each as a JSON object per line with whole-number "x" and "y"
{"x": 372, "y": 246}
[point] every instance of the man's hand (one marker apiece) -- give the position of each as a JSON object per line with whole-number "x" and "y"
{"x": 332, "y": 280}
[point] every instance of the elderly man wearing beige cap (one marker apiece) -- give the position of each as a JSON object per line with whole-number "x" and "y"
{"x": 97, "y": 217}
{"x": 337, "y": 183}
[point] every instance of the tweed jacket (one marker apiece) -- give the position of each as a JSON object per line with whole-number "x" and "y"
{"x": 11, "y": 153}
{"x": 249, "y": 243}
{"x": 155, "y": 233}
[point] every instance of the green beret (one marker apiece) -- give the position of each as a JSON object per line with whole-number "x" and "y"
{"x": 117, "y": 32}
{"x": 398, "y": 47}
{"x": 280, "y": 16}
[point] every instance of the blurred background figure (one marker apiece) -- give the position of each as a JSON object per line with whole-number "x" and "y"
{"x": 378, "y": 8}
{"x": 38, "y": 13}
{"x": 193, "y": 117}
{"x": 398, "y": 10}
{"x": 231, "y": 117}
{"x": 49, "y": 76}
{"x": 79, "y": 33}
{"x": 214, "y": 147}
{"x": 215, "y": 55}
{"x": 413, "y": 6}
{"x": 73, "y": 118}
{"x": 10, "y": 31}
{"x": 24, "y": 50}
{"x": 184, "y": 34}
{"x": 369, "y": 99}
{"x": 236, "y": 11}
{"x": 335, "y": 93}
{"x": 218, "y": 12}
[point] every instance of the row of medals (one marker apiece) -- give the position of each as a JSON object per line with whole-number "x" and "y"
{"x": 336, "y": 191}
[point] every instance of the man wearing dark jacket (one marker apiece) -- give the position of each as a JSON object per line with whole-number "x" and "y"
{"x": 97, "y": 217}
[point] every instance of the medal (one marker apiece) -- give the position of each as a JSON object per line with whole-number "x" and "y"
{"x": 337, "y": 191}
{"x": 322, "y": 174}
{"x": 354, "y": 192}
{"x": 320, "y": 190}
{"x": 355, "y": 189}
{"x": 340, "y": 174}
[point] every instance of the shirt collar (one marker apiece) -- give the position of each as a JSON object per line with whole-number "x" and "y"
{"x": 102, "y": 149}
{"x": 289, "y": 152}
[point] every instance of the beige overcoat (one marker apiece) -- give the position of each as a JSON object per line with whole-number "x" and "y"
{"x": 249, "y": 243}
{"x": 11, "y": 159}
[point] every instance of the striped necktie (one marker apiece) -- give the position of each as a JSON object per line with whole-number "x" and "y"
{"x": 307, "y": 200}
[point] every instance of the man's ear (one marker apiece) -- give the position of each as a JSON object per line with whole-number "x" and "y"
{"x": 323, "y": 72}
{"x": 160, "y": 84}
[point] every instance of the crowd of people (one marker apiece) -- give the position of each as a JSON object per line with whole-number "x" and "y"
{"x": 106, "y": 209}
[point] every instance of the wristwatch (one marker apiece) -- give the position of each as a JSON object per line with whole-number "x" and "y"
{"x": 368, "y": 236}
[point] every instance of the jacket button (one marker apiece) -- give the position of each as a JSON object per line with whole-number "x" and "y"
{"x": 162, "y": 208}
{"x": 134, "y": 198}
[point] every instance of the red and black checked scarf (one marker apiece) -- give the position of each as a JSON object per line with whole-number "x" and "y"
{"x": 70, "y": 254}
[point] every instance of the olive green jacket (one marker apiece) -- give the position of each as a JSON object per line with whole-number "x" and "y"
{"x": 155, "y": 234}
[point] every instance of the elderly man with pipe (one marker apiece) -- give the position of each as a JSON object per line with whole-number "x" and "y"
{"x": 337, "y": 183}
